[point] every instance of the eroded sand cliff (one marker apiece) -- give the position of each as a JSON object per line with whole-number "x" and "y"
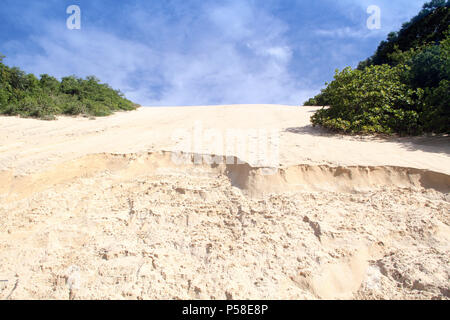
{"x": 100, "y": 209}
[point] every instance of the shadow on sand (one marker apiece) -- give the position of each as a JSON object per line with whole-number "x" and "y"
{"x": 427, "y": 143}
{"x": 310, "y": 130}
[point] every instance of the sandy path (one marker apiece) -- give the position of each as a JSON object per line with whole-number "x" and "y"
{"x": 29, "y": 145}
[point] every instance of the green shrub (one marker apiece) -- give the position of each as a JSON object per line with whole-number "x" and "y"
{"x": 25, "y": 95}
{"x": 38, "y": 105}
{"x": 369, "y": 101}
{"x": 310, "y": 102}
{"x": 49, "y": 83}
{"x": 404, "y": 88}
{"x": 436, "y": 109}
{"x": 320, "y": 100}
{"x": 426, "y": 68}
{"x": 70, "y": 85}
{"x": 4, "y": 97}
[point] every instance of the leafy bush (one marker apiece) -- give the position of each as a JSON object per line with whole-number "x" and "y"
{"x": 311, "y": 102}
{"x": 25, "y": 95}
{"x": 49, "y": 83}
{"x": 407, "y": 94}
{"x": 38, "y": 105}
{"x": 426, "y": 68}
{"x": 4, "y": 96}
{"x": 369, "y": 101}
{"x": 435, "y": 115}
{"x": 320, "y": 100}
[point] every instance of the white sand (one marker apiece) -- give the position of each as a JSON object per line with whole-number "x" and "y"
{"x": 27, "y": 144}
{"x": 94, "y": 209}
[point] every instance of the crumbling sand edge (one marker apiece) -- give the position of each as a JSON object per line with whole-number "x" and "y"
{"x": 252, "y": 179}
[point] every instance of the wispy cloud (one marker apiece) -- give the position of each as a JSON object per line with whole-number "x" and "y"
{"x": 244, "y": 58}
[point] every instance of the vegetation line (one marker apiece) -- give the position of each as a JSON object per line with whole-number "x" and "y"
{"x": 25, "y": 95}
{"x": 403, "y": 88}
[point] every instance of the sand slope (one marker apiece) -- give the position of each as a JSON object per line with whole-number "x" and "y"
{"x": 98, "y": 209}
{"x": 27, "y": 144}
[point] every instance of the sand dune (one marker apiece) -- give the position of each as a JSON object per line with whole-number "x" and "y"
{"x": 110, "y": 208}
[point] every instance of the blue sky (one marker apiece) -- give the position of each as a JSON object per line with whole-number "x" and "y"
{"x": 199, "y": 52}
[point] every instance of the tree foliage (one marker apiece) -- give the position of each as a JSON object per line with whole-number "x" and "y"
{"x": 25, "y": 95}
{"x": 404, "y": 88}
{"x": 427, "y": 27}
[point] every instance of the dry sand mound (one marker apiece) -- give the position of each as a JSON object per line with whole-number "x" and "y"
{"x": 137, "y": 226}
{"x": 90, "y": 222}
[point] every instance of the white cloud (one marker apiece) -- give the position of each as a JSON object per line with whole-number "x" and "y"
{"x": 240, "y": 55}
